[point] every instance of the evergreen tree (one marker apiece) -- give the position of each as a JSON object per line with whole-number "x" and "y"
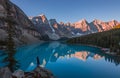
{"x": 107, "y": 39}
{"x": 10, "y": 46}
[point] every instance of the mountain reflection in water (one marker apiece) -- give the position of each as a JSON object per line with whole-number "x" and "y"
{"x": 51, "y": 51}
{"x": 76, "y": 60}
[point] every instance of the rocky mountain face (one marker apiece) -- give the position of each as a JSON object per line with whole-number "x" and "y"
{"x": 104, "y": 26}
{"x": 24, "y": 29}
{"x": 67, "y": 30}
{"x": 50, "y": 29}
{"x": 83, "y": 27}
{"x": 42, "y": 25}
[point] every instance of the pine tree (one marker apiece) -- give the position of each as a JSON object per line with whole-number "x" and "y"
{"x": 10, "y": 46}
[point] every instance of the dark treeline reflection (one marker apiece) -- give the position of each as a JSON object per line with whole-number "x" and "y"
{"x": 8, "y": 60}
{"x": 113, "y": 59}
{"x": 51, "y": 51}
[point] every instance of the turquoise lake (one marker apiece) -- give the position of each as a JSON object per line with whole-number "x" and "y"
{"x": 68, "y": 61}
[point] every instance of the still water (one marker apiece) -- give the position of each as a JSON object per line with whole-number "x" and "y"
{"x": 69, "y": 61}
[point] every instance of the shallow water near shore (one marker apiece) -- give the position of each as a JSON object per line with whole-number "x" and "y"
{"x": 68, "y": 61}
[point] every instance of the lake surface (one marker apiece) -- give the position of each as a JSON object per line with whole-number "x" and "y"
{"x": 68, "y": 61}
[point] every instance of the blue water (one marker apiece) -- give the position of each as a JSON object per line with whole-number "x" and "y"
{"x": 69, "y": 61}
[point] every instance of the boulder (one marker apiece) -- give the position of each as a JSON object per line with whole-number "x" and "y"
{"x": 5, "y": 73}
{"x": 43, "y": 72}
{"x": 18, "y": 74}
{"x": 39, "y": 72}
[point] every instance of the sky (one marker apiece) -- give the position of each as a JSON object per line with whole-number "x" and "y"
{"x": 72, "y": 10}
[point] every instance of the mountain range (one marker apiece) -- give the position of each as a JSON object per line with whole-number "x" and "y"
{"x": 57, "y": 30}
{"x": 34, "y": 29}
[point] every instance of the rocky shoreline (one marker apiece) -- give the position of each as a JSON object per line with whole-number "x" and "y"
{"x": 38, "y": 72}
